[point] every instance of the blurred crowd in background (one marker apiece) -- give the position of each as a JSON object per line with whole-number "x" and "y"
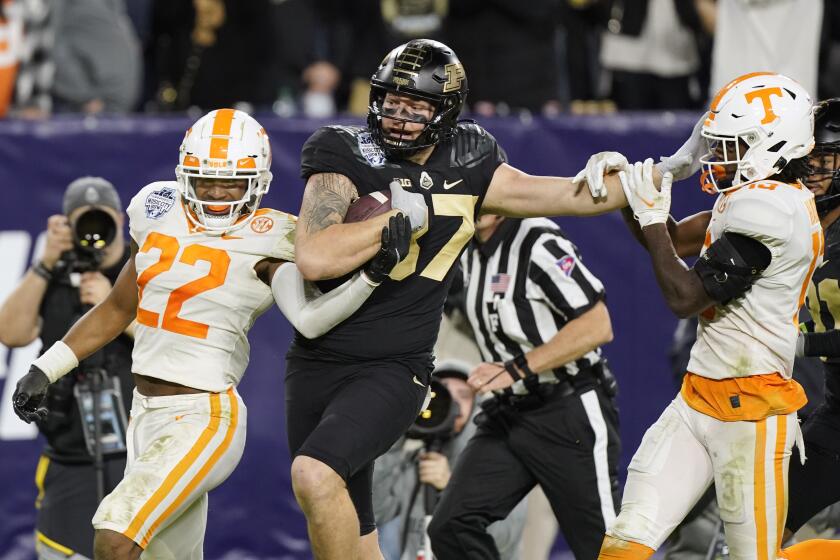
{"x": 315, "y": 57}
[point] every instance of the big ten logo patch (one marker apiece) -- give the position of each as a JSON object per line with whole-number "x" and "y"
{"x": 262, "y": 224}
{"x": 15, "y": 254}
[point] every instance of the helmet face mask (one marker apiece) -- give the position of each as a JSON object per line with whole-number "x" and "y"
{"x": 824, "y": 161}
{"x": 726, "y": 163}
{"x": 399, "y": 117}
{"x": 214, "y": 213}
{"x": 420, "y": 70}
{"x": 230, "y": 149}
{"x": 756, "y": 125}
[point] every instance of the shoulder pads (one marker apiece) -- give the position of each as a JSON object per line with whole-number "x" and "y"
{"x": 764, "y": 216}
{"x": 471, "y": 144}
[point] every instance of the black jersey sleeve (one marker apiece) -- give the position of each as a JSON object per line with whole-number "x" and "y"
{"x": 477, "y": 152}
{"x": 329, "y": 150}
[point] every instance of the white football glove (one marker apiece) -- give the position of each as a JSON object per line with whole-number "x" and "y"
{"x": 650, "y": 206}
{"x": 597, "y": 166}
{"x": 411, "y": 204}
{"x": 685, "y": 162}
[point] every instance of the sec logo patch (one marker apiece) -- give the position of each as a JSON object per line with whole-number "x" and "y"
{"x": 262, "y": 224}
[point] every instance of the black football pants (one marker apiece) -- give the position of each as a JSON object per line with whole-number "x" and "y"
{"x": 67, "y": 501}
{"x": 816, "y": 485}
{"x": 569, "y": 446}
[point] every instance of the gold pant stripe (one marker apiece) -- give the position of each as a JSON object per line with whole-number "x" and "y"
{"x": 43, "y": 539}
{"x": 40, "y": 475}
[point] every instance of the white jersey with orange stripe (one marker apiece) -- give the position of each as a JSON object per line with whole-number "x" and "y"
{"x": 756, "y": 334}
{"x": 198, "y": 292}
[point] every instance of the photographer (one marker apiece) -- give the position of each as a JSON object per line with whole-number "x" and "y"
{"x": 424, "y": 457}
{"x": 84, "y": 252}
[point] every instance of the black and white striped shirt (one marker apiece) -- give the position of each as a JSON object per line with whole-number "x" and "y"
{"x": 522, "y": 286}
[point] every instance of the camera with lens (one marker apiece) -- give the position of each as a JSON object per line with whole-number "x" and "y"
{"x": 436, "y": 422}
{"x": 93, "y": 231}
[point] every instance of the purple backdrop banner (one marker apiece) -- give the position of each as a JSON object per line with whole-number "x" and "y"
{"x": 254, "y": 514}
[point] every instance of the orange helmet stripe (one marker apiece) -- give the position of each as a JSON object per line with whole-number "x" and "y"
{"x": 221, "y": 132}
{"x": 725, "y": 89}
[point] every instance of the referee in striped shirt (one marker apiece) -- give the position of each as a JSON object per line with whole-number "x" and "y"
{"x": 539, "y": 318}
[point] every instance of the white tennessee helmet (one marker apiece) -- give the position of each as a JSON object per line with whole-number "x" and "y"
{"x": 756, "y": 125}
{"x": 224, "y": 144}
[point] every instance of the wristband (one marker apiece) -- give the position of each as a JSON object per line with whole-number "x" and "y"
{"x": 522, "y": 363}
{"x": 57, "y": 362}
{"x": 40, "y": 270}
{"x": 512, "y": 371}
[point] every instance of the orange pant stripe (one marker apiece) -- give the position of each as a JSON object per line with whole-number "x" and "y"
{"x": 214, "y": 458}
{"x": 760, "y": 490}
{"x": 778, "y": 469}
{"x": 175, "y": 475}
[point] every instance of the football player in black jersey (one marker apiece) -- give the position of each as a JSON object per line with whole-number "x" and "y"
{"x": 816, "y": 484}
{"x": 353, "y": 392}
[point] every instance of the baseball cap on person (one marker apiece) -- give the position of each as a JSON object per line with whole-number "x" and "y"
{"x": 91, "y": 191}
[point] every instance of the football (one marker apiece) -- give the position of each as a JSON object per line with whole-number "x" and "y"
{"x": 368, "y": 206}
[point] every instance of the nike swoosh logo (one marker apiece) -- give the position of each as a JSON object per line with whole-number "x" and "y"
{"x": 447, "y": 185}
{"x": 648, "y": 204}
{"x": 417, "y": 381}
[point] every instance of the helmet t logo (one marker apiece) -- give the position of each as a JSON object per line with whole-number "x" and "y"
{"x": 764, "y": 96}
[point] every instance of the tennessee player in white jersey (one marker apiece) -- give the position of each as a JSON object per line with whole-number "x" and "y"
{"x": 734, "y": 421}
{"x": 206, "y": 262}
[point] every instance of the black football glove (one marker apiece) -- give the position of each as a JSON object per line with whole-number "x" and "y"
{"x": 396, "y": 237}
{"x": 29, "y": 395}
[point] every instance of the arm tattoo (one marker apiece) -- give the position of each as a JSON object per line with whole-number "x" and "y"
{"x": 325, "y": 201}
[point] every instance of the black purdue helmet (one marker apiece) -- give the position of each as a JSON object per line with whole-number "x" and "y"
{"x": 826, "y": 148}
{"x": 427, "y": 70}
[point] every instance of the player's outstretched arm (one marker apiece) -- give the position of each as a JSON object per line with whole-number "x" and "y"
{"x": 514, "y": 193}
{"x": 314, "y": 313}
{"x": 95, "y": 329}
{"x": 325, "y": 247}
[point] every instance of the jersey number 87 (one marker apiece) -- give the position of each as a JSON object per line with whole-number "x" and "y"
{"x": 456, "y": 205}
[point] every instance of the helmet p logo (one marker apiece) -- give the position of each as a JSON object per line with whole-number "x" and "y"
{"x": 764, "y": 95}
{"x": 454, "y": 76}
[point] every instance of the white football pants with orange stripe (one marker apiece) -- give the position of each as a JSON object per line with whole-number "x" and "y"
{"x": 680, "y": 456}
{"x": 179, "y": 448}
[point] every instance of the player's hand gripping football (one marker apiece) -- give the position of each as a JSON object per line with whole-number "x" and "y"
{"x": 396, "y": 238}
{"x": 29, "y": 395}
{"x": 598, "y": 165}
{"x": 411, "y": 204}
{"x": 650, "y": 205}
